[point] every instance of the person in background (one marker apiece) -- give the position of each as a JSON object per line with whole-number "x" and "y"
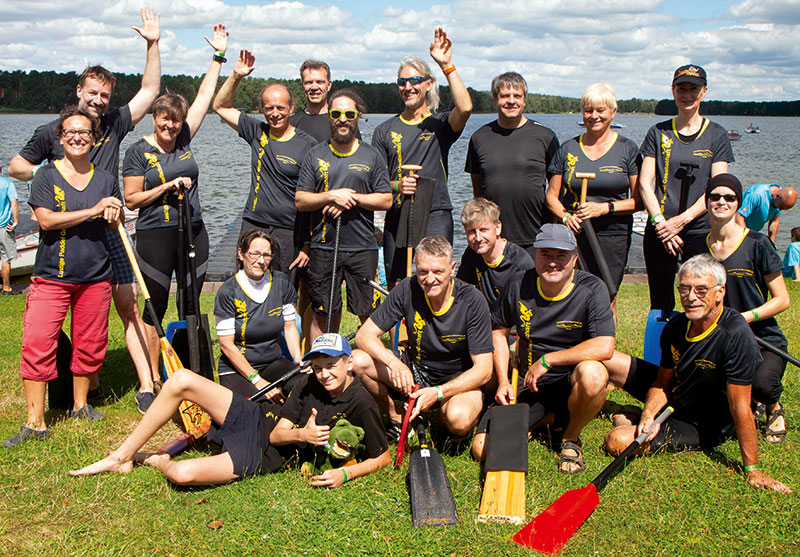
{"x": 791, "y": 260}
{"x": 9, "y": 219}
{"x": 762, "y": 205}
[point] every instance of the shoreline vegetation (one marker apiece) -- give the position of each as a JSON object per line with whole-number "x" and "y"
{"x": 48, "y": 92}
{"x": 679, "y": 504}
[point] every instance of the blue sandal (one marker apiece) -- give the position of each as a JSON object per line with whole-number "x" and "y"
{"x": 26, "y": 434}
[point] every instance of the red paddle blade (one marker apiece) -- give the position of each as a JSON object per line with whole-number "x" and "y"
{"x": 403, "y": 440}
{"x": 555, "y": 525}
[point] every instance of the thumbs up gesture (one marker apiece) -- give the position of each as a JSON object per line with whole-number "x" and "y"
{"x": 313, "y": 433}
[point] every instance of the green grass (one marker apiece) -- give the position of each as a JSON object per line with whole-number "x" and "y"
{"x": 688, "y": 504}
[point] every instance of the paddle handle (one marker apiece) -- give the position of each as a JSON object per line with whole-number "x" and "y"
{"x": 329, "y": 318}
{"x": 603, "y": 476}
{"x": 283, "y": 378}
{"x": 686, "y": 183}
{"x": 772, "y": 348}
{"x": 514, "y": 383}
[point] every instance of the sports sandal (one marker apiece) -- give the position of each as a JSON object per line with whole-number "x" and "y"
{"x": 577, "y": 447}
{"x": 87, "y": 413}
{"x": 759, "y": 411}
{"x": 778, "y": 434}
{"x": 26, "y": 434}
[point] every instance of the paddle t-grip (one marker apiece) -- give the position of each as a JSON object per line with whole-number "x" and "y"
{"x": 584, "y": 177}
{"x": 686, "y": 182}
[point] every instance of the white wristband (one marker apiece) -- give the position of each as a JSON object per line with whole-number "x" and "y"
{"x": 255, "y": 379}
{"x": 565, "y": 218}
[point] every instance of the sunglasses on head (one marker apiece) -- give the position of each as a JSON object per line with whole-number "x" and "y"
{"x": 729, "y": 197}
{"x": 416, "y": 80}
{"x": 348, "y": 114}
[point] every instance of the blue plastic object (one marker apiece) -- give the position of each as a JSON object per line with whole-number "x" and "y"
{"x": 652, "y": 335}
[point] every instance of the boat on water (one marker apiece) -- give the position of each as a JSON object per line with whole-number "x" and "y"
{"x": 733, "y": 135}
{"x": 752, "y": 130}
{"x": 614, "y": 125}
{"x": 28, "y": 243}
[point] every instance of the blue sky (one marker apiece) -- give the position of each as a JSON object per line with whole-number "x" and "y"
{"x": 750, "y": 48}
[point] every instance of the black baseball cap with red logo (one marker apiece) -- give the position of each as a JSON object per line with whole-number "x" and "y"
{"x": 690, "y": 73}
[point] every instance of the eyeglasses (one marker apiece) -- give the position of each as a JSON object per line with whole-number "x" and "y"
{"x": 699, "y": 291}
{"x": 348, "y": 114}
{"x": 416, "y": 80}
{"x": 729, "y": 197}
{"x": 83, "y": 134}
{"x": 255, "y": 256}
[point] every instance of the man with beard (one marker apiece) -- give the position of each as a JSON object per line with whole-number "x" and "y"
{"x": 344, "y": 182}
{"x": 315, "y": 77}
{"x": 94, "y": 94}
{"x": 508, "y": 159}
{"x": 708, "y": 362}
{"x": 277, "y": 149}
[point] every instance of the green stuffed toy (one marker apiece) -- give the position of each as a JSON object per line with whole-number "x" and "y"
{"x": 340, "y": 450}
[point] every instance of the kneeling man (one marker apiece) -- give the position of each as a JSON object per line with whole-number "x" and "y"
{"x": 449, "y": 351}
{"x": 708, "y": 360}
{"x": 566, "y": 329}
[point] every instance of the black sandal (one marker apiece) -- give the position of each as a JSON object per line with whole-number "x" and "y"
{"x": 578, "y": 459}
{"x": 779, "y": 434}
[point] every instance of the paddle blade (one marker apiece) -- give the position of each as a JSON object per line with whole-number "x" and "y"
{"x": 432, "y": 501}
{"x": 172, "y": 362}
{"x": 548, "y": 532}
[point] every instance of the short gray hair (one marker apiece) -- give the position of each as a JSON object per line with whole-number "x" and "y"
{"x": 512, "y": 80}
{"x": 422, "y": 67}
{"x": 434, "y": 246}
{"x": 704, "y": 264}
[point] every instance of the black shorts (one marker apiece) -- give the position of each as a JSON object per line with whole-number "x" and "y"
{"x": 239, "y": 436}
{"x": 551, "y": 397}
{"x": 235, "y": 381}
{"x": 767, "y": 383}
{"x": 641, "y": 377}
{"x": 678, "y": 435}
{"x": 285, "y": 251}
{"x": 351, "y": 266}
{"x": 615, "y": 249}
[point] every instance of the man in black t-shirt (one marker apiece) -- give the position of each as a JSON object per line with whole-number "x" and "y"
{"x": 94, "y": 94}
{"x": 277, "y": 150}
{"x": 508, "y": 159}
{"x": 343, "y": 181}
{"x": 449, "y": 348}
{"x": 708, "y": 360}
{"x": 490, "y": 261}
{"x": 566, "y": 330}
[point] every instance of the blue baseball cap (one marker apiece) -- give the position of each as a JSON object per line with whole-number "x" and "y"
{"x": 329, "y": 344}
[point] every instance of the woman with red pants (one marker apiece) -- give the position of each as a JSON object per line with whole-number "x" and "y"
{"x": 73, "y": 202}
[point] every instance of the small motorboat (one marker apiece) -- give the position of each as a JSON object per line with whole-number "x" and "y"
{"x": 28, "y": 243}
{"x": 750, "y": 129}
{"x": 733, "y": 135}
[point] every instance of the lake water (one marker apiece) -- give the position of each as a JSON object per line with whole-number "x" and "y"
{"x": 224, "y": 159}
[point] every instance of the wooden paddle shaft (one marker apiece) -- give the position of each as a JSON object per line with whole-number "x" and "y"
{"x": 132, "y": 257}
{"x": 514, "y": 383}
{"x": 411, "y": 169}
{"x": 585, "y": 177}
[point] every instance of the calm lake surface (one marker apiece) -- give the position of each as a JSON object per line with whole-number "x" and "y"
{"x": 224, "y": 158}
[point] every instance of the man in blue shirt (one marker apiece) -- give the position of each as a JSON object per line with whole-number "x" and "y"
{"x": 9, "y": 218}
{"x": 791, "y": 261}
{"x": 763, "y": 203}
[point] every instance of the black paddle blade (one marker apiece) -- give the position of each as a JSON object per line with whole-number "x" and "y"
{"x": 422, "y": 210}
{"x": 201, "y": 352}
{"x": 59, "y": 390}
{"x": 507, "y": 441}
{"x": 432, "y": 501}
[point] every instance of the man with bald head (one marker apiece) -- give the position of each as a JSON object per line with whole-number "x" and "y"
{"x": 277, "y": 149}
{"x": 762, "y": 204}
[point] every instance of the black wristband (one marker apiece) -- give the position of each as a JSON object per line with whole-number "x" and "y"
{"x": 610, "y": 208}
{"x": 218, "y": 58}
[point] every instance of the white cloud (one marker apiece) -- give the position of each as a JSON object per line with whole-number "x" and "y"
{"x": 782, "y": 12}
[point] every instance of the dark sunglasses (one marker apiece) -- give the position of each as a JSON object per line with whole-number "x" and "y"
{"x": 348, "y": 114}
{"x": 416, "y": 80}
{"x": 729, "y": 197}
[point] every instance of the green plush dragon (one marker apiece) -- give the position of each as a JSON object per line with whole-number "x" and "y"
{"x": 340, "y": 450}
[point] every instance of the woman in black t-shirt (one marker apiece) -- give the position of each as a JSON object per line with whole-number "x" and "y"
{"x": 73, "y": 202}
{"x": 154, "y": 169}
{"x": 754, "y": 268}
{"x": 253, "y": 308}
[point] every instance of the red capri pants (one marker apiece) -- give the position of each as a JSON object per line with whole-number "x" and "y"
{"x": 47, "y": 306}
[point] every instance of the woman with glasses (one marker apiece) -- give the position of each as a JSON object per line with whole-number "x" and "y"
{"x": 252, "y": 309}
{"x": 754, "y": 269}
{"x": 421, "y": 136}
{"x": 154, "y": 170}
{"x": 679, "y": 155}
{"x": 73, "y": 202}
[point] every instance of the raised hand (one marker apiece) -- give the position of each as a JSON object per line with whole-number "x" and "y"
{"x": 150, "y": 30}
{"x": 220, "y": 40}
{"x": 245, "y": 64}
{"x": 441, "y": 48}
{"x": 316, "y": 434}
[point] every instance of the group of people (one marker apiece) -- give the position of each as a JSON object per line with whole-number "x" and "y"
{"x": 308, "y": 225}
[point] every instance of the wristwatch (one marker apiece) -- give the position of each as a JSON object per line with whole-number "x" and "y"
{"x": 610, "y": 207}
{"x": 219, "y": 58}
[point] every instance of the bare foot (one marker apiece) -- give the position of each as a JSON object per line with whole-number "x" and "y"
{"x": 140, "y": 457}
{"x": 108, "y": 464}
{"x": 156, "y": 460}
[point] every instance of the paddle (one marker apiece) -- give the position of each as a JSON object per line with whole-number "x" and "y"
{"x": 506, "y": 461}
{"x": 280, "y": 380}
{"x": 412, "y": 169}
{"x": 333, "y": 273}
{"x": 772, "y": 348}
{"x": 59, "y": 390}
{"x": 602, "y": 264}
{"x": 402, "y": 441}
{"x": 192, "y": 415}
{"x": 554, "y": 526}
{"x": 432, "y": 501}
{"x": 176, "y": 330}
{"x": 686, "y": 183}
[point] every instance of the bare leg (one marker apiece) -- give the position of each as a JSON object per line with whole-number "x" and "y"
{"x": 153, "y": 347}
{"x": 618, "y": 367}
{"x": 183, "y": 385}
{"x": 34, "y": 399}
{"x": 375, "y": 378}
{"x": 135, "y": 335}
{"x": 460, "y": 412}
{"x": 80, "y": 390}
{"x": 217, "y": 469}
{"x": 5, "y": 271}
{"x": 614, "y": 308}
{"x": 319, "y": 322}
{"x": 585, "y": 401}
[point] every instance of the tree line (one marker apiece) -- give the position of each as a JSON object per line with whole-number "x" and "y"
{"x": 49, "y": 91}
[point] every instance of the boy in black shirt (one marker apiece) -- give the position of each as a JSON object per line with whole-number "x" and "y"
{"x": 708, "y": 360}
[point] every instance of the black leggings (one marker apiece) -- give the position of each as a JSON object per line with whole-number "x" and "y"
{"x": 661, "y": 266}
{"x": 767, "y": 387}
{"x": 157, "y": 253}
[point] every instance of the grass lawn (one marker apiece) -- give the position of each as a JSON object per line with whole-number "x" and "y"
{"x": 688, "y": 504}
